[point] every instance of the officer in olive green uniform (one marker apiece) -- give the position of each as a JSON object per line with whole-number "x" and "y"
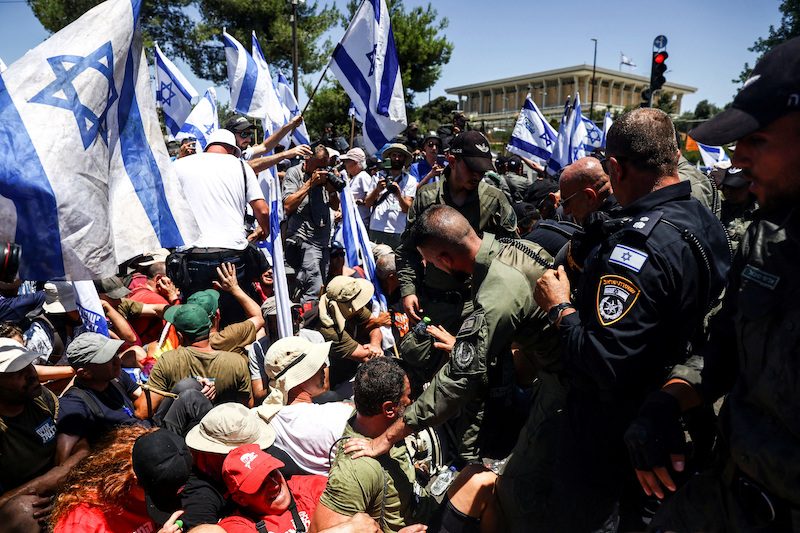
{"x": 704, "y": 190}
{"x": 498, "y": 181}
{"x": 476, "y": 384}
{"x": 739, "y": 205}
{"x": 442, "y": 297}
{"x": 517, "y": 183}
{"x": 753, "y": 353}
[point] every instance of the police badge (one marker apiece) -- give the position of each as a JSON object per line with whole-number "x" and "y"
{"x": 615, "y": 297}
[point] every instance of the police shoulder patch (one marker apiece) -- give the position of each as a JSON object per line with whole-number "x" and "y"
{"x": 616, "y": 296}
{"x": 465, "y": 350}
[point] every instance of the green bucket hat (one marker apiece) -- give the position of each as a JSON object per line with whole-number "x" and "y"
{"x": 190, "y": 319}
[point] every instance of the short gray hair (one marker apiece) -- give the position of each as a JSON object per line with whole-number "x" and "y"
{"x": 646, "y": 138}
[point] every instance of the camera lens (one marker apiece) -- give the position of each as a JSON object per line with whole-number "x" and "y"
{"x": 9, "y": 261}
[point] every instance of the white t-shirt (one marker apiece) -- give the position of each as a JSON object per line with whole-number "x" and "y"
{"x": 387, "y": 215}
{"x": 215, "y": 189}
{"x": 306, "y": 431}
{"x": 362, "y": 184}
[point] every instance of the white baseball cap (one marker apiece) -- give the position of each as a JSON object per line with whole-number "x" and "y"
{"x": 14, "y": 356}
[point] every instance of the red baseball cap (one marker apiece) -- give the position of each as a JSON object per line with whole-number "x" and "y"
{"x": 246, "y": 467}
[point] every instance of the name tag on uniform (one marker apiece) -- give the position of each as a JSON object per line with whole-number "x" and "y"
{"x": 756, "y": 275}
{"x": 628, "y": 257}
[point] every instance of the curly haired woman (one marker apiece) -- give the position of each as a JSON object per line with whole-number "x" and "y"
{"x": 101, "y": 493}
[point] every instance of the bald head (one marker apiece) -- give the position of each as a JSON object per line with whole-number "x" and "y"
{"x": 584, "y": 187}
{"x": 441, "y": 226}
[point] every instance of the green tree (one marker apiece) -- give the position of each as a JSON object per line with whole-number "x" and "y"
{"x": 330, "y": 104}
{"x": 198, "y": 41}
{"x": 705, "y": 110}
{"x": 789, "y": 28}
{"x": 435, "y": 113}
{"x": 422, "y": 51}
{"x": 666, "y": 103}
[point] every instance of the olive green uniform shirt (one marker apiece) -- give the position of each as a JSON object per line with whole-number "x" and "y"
{"x": 704, "y": 190}
{"x": 504, "y": 311}
{"x": 234, "y": 338}
{"x": 486, "y": 209}
{"x": 229, "y": 370}
{"x": 382, "y": 487}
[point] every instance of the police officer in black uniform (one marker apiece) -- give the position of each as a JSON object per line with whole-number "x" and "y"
{"x": 755, "y": 338}
{"x": 640, "y": 304}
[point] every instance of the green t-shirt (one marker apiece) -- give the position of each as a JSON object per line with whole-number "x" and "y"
{"x": 28, "y": 442}
{"x": 229, "y": 370}
{"x": 234, "y": 338}
{"x": 357, "y": 486}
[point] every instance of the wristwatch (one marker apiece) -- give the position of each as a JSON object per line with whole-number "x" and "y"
{"x": 554, "y": 312}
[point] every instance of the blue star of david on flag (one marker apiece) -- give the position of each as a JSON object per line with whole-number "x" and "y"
{"x": 209, "y": 128}
{"x": 165, "y": 93}
{"x": 594, "y": 135}
{"x": 371, "y": 57}
{"x": 90, "y": 125}
{"x": 547, "y": 138}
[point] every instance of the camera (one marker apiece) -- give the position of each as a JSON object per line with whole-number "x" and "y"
{"x": 336, "y": 180}
{"x": 10, "y": 255}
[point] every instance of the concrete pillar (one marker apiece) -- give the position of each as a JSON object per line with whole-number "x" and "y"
{"x": 491, "y": 100}
{"x": 610, "y": 100}
{"x": 560, "y": 99}
{"x": 480, "y": 102}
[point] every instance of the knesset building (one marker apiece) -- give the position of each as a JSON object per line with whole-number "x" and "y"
{"x": 496, "y": 103}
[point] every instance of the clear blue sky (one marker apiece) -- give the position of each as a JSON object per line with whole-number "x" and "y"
{"x": 708, "y": 39}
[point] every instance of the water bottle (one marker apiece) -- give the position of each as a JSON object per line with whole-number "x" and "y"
{"x": 443, "y": 481}
{"x": 421, "y": 329}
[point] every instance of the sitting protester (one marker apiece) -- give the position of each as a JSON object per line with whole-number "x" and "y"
{"x": 386, "y": 487}
{"x": 343, "y": 314}
{"x": 263, "y": 496}
{"x": 102, "y": 396}
{"x": 306, "y": 431}
{"x": 102, "y": 493}
{"x": 33, "y": 458}
{"x": 46, "y": 373}
{"x": 225, "y": 427}
{"x": 195, "y": 358}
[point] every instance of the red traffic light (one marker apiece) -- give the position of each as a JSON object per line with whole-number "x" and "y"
{"x": 660, "y": 57}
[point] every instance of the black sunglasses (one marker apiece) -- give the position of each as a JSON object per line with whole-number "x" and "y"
{"x": 246, "y": 134}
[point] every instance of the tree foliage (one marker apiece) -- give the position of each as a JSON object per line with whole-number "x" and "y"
{"x": 705, "y": 110}
{"x": 789, "y": 28}
{"x": 197, "y": 40}
{"x": 433, "y": 114}
{"x": 330, "y": 104}
{"x": 421, "y": 49}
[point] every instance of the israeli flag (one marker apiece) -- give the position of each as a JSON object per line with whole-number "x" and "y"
{"x": 271, "y": 187}
{"x": 300, "y": 134}
{"x": 560, "y": 155}
{"x": 102, "y": 190}
{"x": 275, "y": 115}
{"x": 203, "y": 120}
{"x": 712, "y": 154}
{"x": 607, "y": 122}
{"x": 2, "y": 65}
{"x": 365, "y": 63}
{"x": 89, "y": 307}
{"x": 576, "y": 126}
{"x": 533, "y": 137}
{"x": 594, "y": 135}
{"x": 249, "y": 85}
{"x": 174, "y": 93}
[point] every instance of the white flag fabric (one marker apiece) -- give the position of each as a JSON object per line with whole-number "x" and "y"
{"x": 102, "y": 189}
{"x": 202, "y": 121}
{"x": 270, "y": 186}
{"x": 90, "y": 308}
{"x": 366, "y": 64}
{"x": 2, "y": 65}
{"x": 300, "y": 133}
{"x": 571, "y": 143}
{"x": 275, "y": 115}
{"x": 533, "y": 137}
{"x": 250, "y": 87}
{"x": 607, "y": 122}
{"x": 594, "y": 135}
{"x": 174, "y": 93}
{"x": 712, "y": 154}
{"x": 560, "y": 155}
{"x": 625, "y": 60}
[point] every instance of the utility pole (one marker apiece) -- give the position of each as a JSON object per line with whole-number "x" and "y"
{"x": 295, "y": 56}
{"x": 594, "y": 68}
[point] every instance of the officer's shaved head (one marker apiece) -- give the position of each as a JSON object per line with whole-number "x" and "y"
{"x": 645, "y": 138}
{"x": 585, "y": 172}
{"x": 441, "y": 226}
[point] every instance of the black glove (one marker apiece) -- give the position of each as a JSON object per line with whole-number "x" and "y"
{"x": 656, "y": 433}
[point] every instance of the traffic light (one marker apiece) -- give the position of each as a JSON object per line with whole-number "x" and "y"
{"x": 646, "y": 98}
{"x": 659, "y": 67}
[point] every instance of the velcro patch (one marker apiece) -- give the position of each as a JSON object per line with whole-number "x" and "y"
{"x": 756, "y": 275}
{"x": 616, "y": 296}
{"x": 464, "y": 357}
{"x": 628, "y": 257}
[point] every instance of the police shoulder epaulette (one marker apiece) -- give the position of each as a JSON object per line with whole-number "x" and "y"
{"x": 643, "y": 223}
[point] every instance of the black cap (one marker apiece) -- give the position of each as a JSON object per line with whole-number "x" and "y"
{"x": 525, "y": 211}
{"x": 372, "y": 162}
{"x": 514, "y": 163}
{"x": 238, "y": 124}
{"x": 773, "y": 90}
{"x": 473, "y": 148}
{"x": 734, "y": 179}
{"x": 162, "y": 463}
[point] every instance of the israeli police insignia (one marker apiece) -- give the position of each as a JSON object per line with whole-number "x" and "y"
{"x": 464, "y": 358}
{"x": 463, "y": 354}
{"x": 616, "y": 296}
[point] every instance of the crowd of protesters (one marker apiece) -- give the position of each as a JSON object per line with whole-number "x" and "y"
{"x": 551, "y": 356}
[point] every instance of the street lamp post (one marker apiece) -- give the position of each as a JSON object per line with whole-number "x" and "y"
{"x": 295, "y": 57}
{"x": 594, "y": 68}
